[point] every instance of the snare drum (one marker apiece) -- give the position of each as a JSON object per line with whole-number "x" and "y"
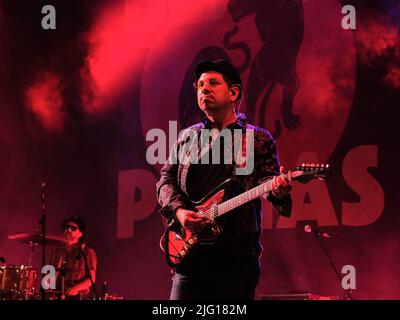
{"x": 18, "y": 279}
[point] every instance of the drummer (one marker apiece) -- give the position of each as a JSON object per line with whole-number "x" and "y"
{"x": 69, "y": 260}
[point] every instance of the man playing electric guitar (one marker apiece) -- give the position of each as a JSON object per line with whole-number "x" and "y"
{"x": 227, "y": 267}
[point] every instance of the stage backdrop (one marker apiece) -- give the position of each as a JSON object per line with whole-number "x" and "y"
{"x": 77, "y": 103}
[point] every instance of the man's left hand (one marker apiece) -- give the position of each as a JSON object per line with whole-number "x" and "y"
{"x": 281, "y": 185}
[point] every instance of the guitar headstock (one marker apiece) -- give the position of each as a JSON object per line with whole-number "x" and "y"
{"x": 307, "y": 172}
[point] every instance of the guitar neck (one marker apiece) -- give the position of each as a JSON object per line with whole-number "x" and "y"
{"x": 239, "y": 200}
{"x": 303, "y": 174}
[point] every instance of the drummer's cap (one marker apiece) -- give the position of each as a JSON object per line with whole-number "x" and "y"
{"x": 78, "y": 221}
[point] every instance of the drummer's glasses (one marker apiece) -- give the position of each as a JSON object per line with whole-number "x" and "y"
{"x": 73, "y": 228}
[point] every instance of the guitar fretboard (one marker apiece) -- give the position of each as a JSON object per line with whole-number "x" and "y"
{"x": 239, "y": 200}
{"x": 303, "y": 174}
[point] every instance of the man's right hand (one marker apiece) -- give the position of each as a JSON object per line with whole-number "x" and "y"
{"x": 191, "y": 220}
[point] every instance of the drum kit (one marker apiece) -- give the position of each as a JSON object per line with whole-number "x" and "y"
{"x": 20, "y": 282}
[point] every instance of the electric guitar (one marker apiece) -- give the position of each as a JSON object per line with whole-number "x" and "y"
{"x": 177, "y": 246}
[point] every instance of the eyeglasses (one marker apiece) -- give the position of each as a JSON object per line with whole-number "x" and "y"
{"x": 73, "y": 228}
{"x": 199, "y": 85}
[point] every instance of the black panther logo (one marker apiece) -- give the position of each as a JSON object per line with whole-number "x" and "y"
{"x": 280, "y": 26}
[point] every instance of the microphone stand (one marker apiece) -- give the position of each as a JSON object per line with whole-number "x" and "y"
{"x": 347, "y": 292}
{"x": 63, "y": 273}
{"x": 42, "y": 222}
{"x": 87, "y": 270}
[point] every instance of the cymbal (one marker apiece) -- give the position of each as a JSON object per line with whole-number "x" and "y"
{"x": 36, "y": 238}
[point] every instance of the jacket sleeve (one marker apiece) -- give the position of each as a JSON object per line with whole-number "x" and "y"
{"x": 169, "y": 194}
{"x": 267, "y": 165}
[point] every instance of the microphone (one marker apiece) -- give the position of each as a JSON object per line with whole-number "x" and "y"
{"x": 308, "y": 229}
{"x": 2, "y": 260}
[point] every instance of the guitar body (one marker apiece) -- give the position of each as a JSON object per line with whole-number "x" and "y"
{"x": 178, "y": 246}
{"x": 223, "y": 199}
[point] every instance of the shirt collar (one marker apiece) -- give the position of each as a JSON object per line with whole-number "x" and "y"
{"x": 240, "y": 122}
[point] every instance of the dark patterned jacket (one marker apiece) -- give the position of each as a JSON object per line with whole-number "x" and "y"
{"x": 171, "y": 188}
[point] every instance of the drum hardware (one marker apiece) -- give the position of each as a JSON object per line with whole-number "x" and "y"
{"x": 19, "y": 282}
{"x": 42, "y": 222}
{"x": 9, "y": 283}
{"x": 36, "y": 239}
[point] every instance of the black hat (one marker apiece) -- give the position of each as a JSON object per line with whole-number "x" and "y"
{"x": 222, "y": 66}
{"x": 79, "y": 222}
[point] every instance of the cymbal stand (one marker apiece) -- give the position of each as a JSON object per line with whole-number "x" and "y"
{"x": 31, "y": 247}
{"x": 42, "y": 222}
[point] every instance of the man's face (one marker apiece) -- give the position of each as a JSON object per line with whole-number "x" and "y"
{"x": 213, "y": 94}
{"x": 72, "y": 232}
